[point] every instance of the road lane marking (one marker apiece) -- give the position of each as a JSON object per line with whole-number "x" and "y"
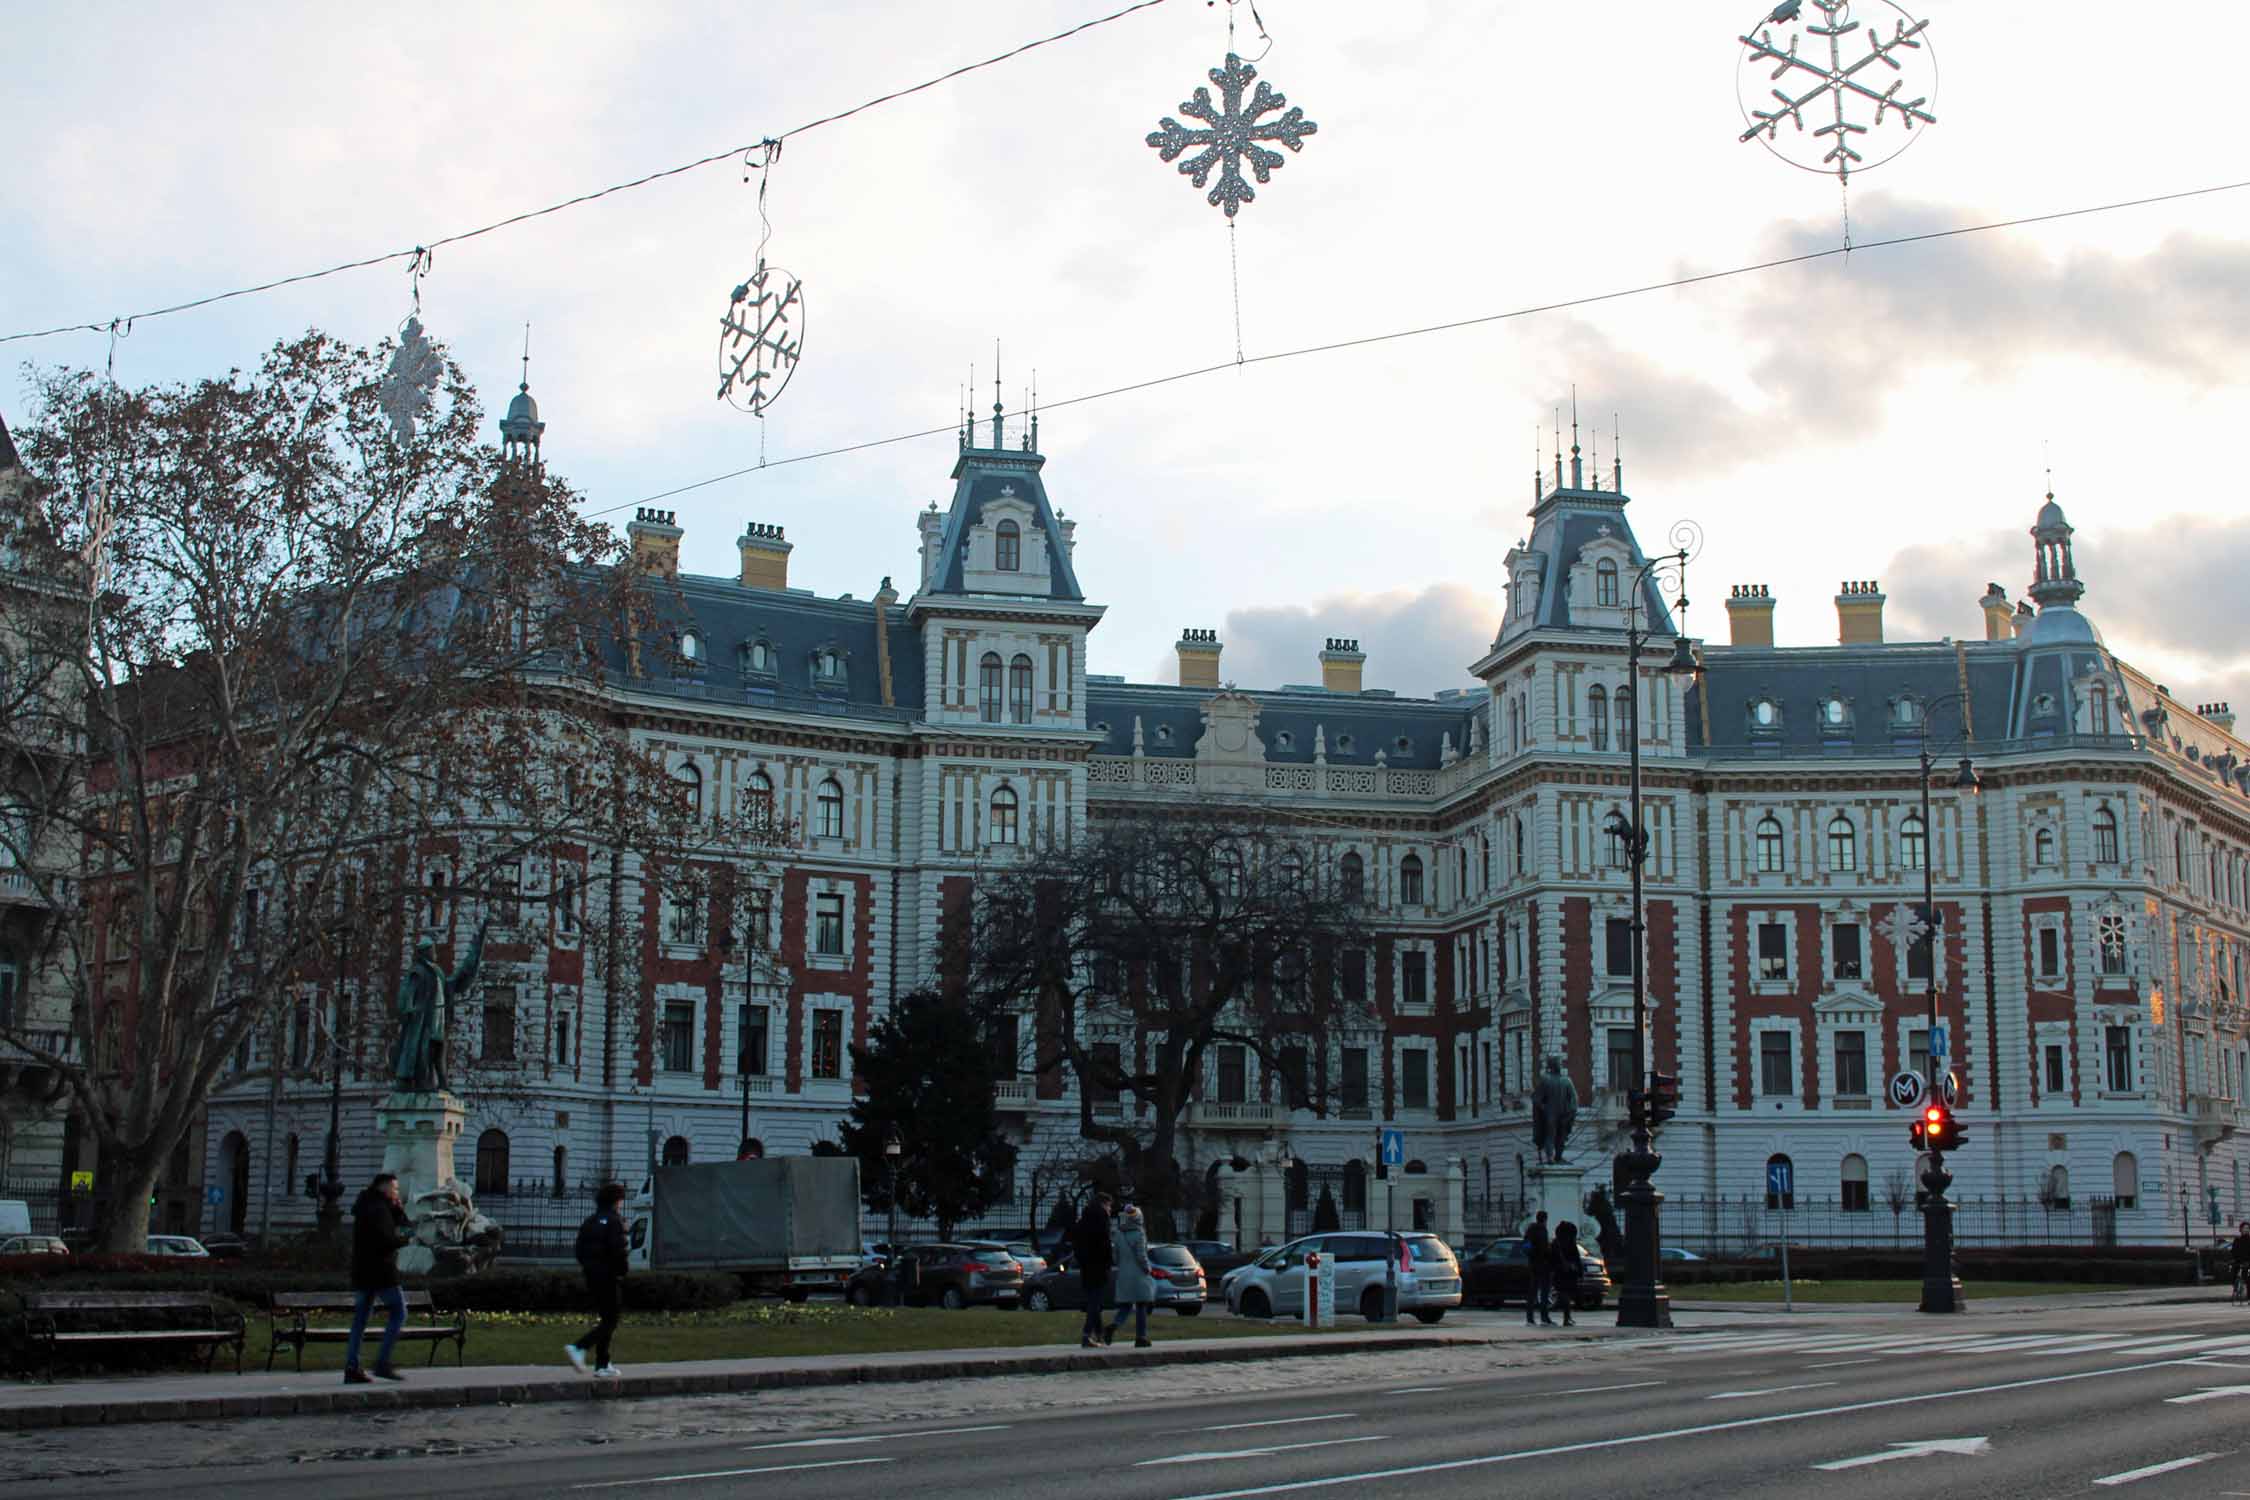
{"x": 2155, "y": 1469}
{"x": 2208, "y": 1393}
{"x": 1416, "y": 1390}
{"x": 1329, "y": 1416}
{"x": 833, "y": 1463}
{"x": 1771, "y": 1390}
{"x": 1959, "y": 1447}
{"x": 1701, "y": 1429}
{"x": 1838, "y": 1364}
{"x": 1595, "y": 1390}
{"x": 1197, "y": 1458}
{"x": 880, "y": 1437}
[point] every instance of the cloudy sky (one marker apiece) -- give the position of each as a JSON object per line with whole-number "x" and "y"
{"x": 1889, "y": 416}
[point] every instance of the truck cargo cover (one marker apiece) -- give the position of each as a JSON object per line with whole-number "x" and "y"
{"x": 745, "y": 1214}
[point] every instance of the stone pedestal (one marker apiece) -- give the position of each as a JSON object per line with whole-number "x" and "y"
{"x": 1560, "y": 1189}
{"x": 419, "y": 1134}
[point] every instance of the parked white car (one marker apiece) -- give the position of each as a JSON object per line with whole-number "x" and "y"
{"x": 1273, "y": 1285}
{"x": 177, "y": 1245}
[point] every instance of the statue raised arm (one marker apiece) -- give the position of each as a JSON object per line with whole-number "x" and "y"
{"x": 425, "y": 1014}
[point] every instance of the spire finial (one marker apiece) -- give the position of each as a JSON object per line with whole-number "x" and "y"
{"x": 1538, "y": 462}
{"x": 1577, "y": 470}
{"x": 525, "y": 385}
{"x": 1033, "y": 445}
{"x": 1558, "y": 446}
{"x": 998, "y": 441}
{"x": 1616, "y": 454}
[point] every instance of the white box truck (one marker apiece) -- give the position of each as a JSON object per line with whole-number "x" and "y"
{"x": 788, "y": 1226}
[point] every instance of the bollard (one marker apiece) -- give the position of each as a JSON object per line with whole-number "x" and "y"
{"x": 1312, "y": 1290}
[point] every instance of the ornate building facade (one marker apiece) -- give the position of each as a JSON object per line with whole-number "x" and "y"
{"x": 2093, "y": 901}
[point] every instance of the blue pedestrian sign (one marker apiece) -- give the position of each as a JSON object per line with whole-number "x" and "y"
{"x": 1392, "y": 1148}
{"x": 1781, "y": 1180}
{"x": 1940, "y": 1043}
{"x": 214, "y": 1195}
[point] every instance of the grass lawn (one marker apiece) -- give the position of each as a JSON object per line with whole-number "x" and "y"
{"x": 1882, "y": 1291}
{"x": 752, "y": 1330}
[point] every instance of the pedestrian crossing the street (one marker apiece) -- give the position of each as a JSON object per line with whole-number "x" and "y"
{"x": 1874, "y": 1347}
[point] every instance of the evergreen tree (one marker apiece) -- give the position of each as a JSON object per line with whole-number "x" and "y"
{"x": 929, "y": 1072}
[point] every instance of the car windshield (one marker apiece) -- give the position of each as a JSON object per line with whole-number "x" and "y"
{"x": 1428, "y": 1247}
{"x": 1171, "y": 1255}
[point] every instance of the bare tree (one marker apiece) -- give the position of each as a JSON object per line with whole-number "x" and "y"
{"x": 1143, "y": 943}
{"x": 1897, "y": 1193}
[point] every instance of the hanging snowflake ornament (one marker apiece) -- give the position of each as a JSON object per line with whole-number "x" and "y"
{"x": 1844, "y": 87}
{"x": 410, "y": 384}
{"x": 1904, "y": 928}
{"x": 1233, "y": 135}
{"x": 761, "y": 335}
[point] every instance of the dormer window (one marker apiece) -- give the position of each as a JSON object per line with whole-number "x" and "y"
{"x": 1834, "y": 715}
{"x": 1007, "y": 547}
{"x": 691, "y": 648}
{"x": 757, "y": 656}
{"x": 1906, "y": 714}
{"x": 1605, "y": 583}
{"x": 828, "y": 667}
{"x": 1403, "y": 745}
{"x": 1765, "y": 716}
{"x": 1343, "y": 744}
{"x": 1164, "y": 734}
{"x": 1284, "y": 740}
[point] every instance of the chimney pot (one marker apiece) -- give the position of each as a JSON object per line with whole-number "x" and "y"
{"x": 1859, "y": 613}
{"x": 765, "y": 556}
{"x": 655, "y": 535}
{"x": 1750, "y": 615}
{"x": 1198, "y": 652}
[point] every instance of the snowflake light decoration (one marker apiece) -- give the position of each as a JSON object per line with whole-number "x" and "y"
{"x": 761, "y": 336}
{"x": 410, "y": 383}
{"x": 1904, "y": 928}
{"x": 1837, "y": 77}
{"x": 1233, "y": 135}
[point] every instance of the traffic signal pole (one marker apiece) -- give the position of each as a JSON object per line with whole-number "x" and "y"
{"x": 1941, "y": 1286}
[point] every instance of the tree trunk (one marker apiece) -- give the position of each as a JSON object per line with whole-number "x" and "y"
{"x": 121, "y": 1223}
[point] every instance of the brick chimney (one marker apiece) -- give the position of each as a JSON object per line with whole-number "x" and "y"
{"x": 1997, "y": 612}
{"x": 656, "y": 541}
{"x": 765, "y": 557}
{"x": 1199, "y": 658}
{"x": 1750, "y": 615}
{"x": 2221, "y": 714}
{"x": 1859, "y": 613}
{"x": 2024, "y": 616}
{"x": 1341, "y": 662}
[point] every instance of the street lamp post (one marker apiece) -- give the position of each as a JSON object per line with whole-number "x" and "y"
{"x": 1941, "y": 1287}
{"x": 891, "y": 1149}
{"x": 1643, "y": 1303}
{"x": 331, "y": 1216}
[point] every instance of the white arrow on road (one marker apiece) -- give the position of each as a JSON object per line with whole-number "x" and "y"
{"x": 2208, "y": 1393}
{"x": 1967, "y": 1445}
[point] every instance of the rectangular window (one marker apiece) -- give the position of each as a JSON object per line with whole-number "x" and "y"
{"x": 1106, "y": 1064}
{"x": 2057, "y": 1083}
{"x": 1851, "y": 1064}
{"x": 1294, "y": 1090}
{"x": 1414, "y": 979}
{"x": 757, "y": 919}
{"x": 1844, "y": 943}
{"x": 2117, "y": 1052}
{"x": 2111, "y": 937}
{"x": 828, "y": 925}
{"x": 1918, "y": 1052}
{"x": 686, "y": 924}
{"x": 1773, "y": 951}
{"x": 1004, "y": 1055}
{"x": 1854, "y": 1200}
{"x": 1352, "y": 968}
{"x": 1620, "y": 1057}
{"x": 1353, "y": 1090}
{"x": 2050, "y": 953}
{"x": 757, "y": 1041}
{"x": 1775, "y": 1073}
{"x": 679, "y": 1036}
{"x": 1234, "y": 1075}
{"x": 1620, "y": 930}
{"x": 499, "y": 1026}
{"x": 828, "y": 1044}
{"x": 1414, "y": 1089}
{"x": 1918, "y": 958}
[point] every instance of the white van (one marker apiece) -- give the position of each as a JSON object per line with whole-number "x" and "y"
{"x": 15, "y": 1217}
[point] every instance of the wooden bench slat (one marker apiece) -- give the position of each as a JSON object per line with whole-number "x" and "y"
{"x": 122, "y": 1335}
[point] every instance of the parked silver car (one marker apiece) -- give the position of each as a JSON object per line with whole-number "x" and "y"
{"x": 1273, "y": 1285}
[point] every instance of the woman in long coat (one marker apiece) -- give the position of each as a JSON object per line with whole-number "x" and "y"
{"x": 1136, "y": 1286}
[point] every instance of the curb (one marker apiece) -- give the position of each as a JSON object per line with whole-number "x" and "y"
{"x": 352, "y": 1399}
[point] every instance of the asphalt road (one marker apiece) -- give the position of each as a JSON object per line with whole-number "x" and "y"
{"x": 2148, "y": 1403}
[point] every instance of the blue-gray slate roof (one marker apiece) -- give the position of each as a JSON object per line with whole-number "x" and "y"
{"x": 980, "y": 476}
{"x": 1357, "y": 725}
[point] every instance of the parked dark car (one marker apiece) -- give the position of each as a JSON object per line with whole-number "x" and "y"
{"x": 1217, "y": 1257}
{"x": 1501, "y": 1273}
{"x": 1179, "y": 1283}
{"x": 941, "y": 1276}
{"x": 226, "y": 1246}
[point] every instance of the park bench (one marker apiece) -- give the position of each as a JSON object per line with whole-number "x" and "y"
{"x": 293, "y": 1315}
{"x": 55, "y": 1320}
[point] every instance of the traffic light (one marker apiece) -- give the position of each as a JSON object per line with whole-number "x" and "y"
{"x": 1663, "y": 1097}
{"x": 1919, "y": 1133}
{"x": 1936, "y": 1129}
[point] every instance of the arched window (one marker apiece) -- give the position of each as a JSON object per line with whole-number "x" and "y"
{"x": 2097, "y": 708}
{"x": 1605, "y": 583}
{"x": 1769, "y": 845}
{"x": 1007, "y": 547}
{"x": 828, "y": 665}
{"x": 990, "y": 673}
{"x": 492, "y": 1163}
{"x": 1843, "y": 844}
{"x": 2054, "y": 1190}
{"x": 1410, "y": 880}
{"x": 691, "y": 787}
{"x": 1351, "y": 873}
{"x": 2105, "y": 836}
{"x": 2125, "y": 1179}
{"x": 1788, "y": 1175}
{"x": 1913, "y": 843}
{"x": 2043, "y": 847}
{"x": 562, "y": 1171}
{"x": 1004, "y": 816}
{"x": 1019, "y": 690}
{"x": 1852, "y": 1185}
{"x": 757, "y": 800}
{"x": 691, "y": 647}
{"x": 757, "y": 656}
{"x": 1907, "y": 713}
{"x": 828, "y": 810}
{"x": 1597, "y": 717}
{"x": 676, "y": 1151}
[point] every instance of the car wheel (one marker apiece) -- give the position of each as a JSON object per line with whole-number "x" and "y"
{"x": 1429, "y": 1315}
{"x": 952, "y": 1300}
{"x": 1371, "y": 1304}
{"x": 1039, "y": 1302}
{"x": 1189, "y": 1309}
{"x": 1255, "y": 1305}
{"x": 860, "y": 1296}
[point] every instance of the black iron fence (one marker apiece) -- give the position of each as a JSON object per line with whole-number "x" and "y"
{"x": 1745, "y": 1225}
{"x": 52, "y": 1210}
{"x": 537, "y": 1222}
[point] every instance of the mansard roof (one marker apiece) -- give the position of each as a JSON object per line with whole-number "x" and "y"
{"x": 980, "y": 475}
{"x": 1870, "y": 679}
{"x": 1355, "y": 725}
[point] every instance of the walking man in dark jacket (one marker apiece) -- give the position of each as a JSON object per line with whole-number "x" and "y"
{"x": 1539, "y": 1248}
{"x": 380, "y": 1229}
{"x": 1089, "y": 1244}
{"x": 602, "y": 1255}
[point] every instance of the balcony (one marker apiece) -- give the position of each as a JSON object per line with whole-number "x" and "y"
{"x": 2213, "y": 1116}
{"x": 18, "y": 889}
{"x": 1208, "y": 1115}
{"x": 1014, "y": 1096}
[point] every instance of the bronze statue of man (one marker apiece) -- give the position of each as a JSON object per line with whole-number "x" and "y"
{"x": 1554, "y": 1109}
{"x": 425, "y": 1006}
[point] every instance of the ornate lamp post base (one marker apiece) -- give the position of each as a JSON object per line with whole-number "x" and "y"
{"x": 1642, "y": 1302}
{"x": 1941, "y": 1284}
